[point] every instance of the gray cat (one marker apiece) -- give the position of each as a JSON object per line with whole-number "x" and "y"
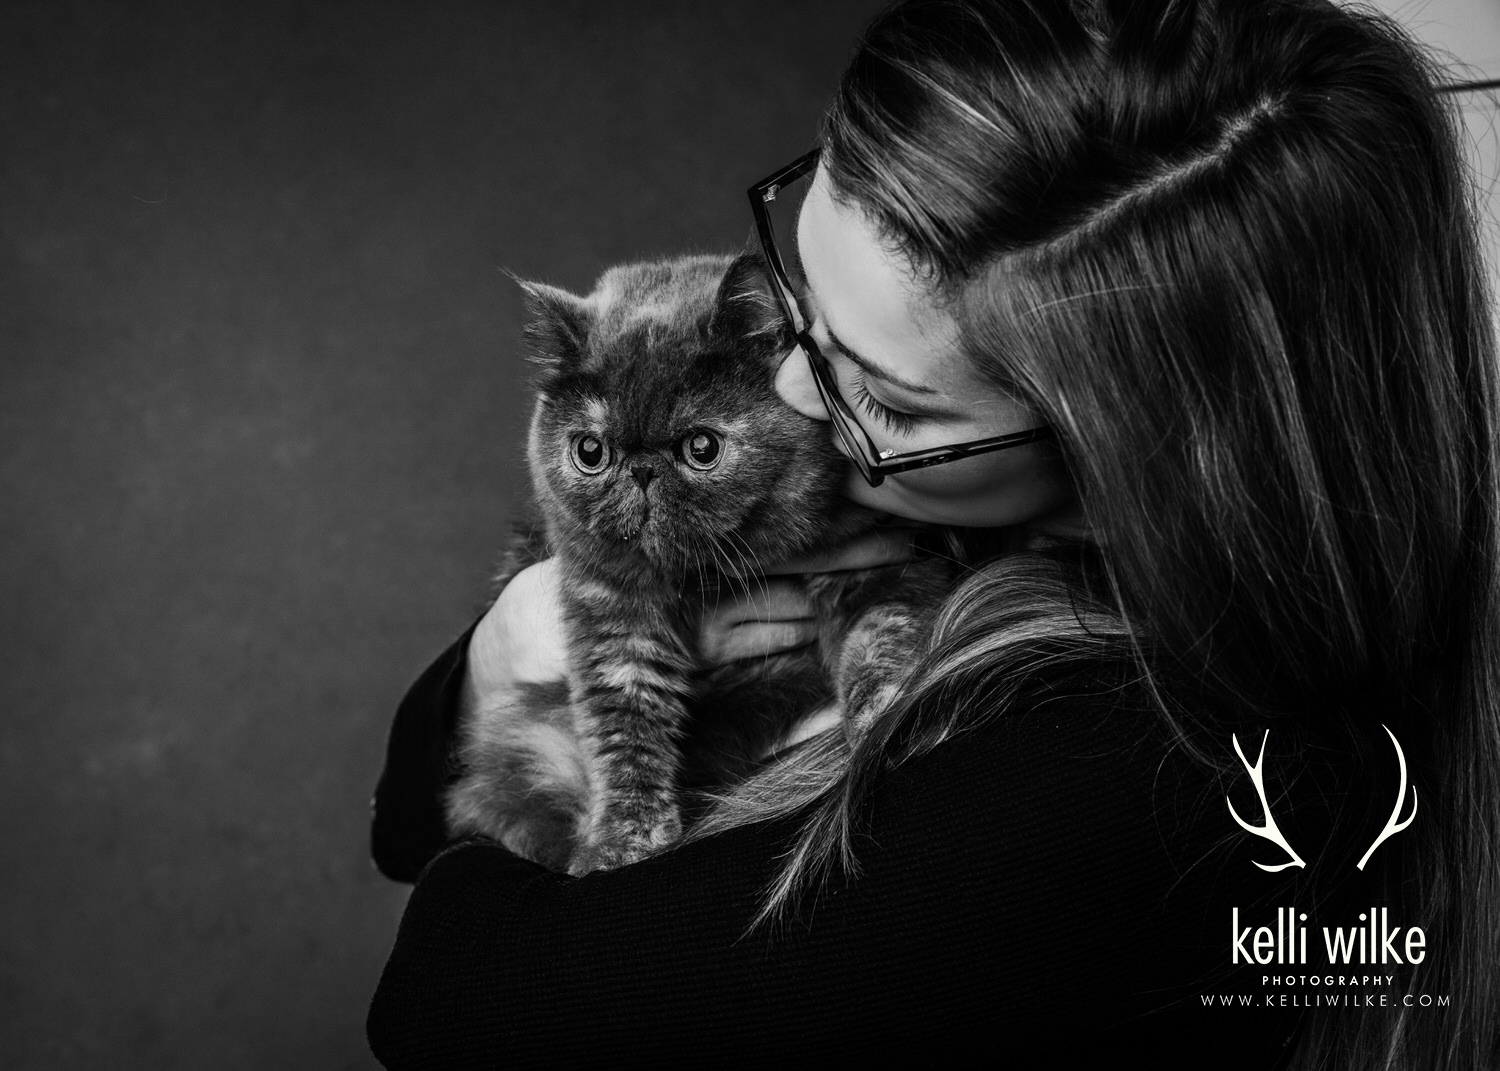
{"x": 665, "y": 471}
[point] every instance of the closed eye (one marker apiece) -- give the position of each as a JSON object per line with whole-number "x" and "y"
{"x": 894, "y": 419}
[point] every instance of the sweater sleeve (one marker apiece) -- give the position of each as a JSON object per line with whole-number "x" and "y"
{"x": 1049, "y": 883}
{"x": 406, "y": 811}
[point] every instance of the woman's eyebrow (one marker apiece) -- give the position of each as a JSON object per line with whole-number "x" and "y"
{"x": 869, "y": 368}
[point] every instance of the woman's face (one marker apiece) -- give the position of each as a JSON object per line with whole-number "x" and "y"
{"x": 896, "y": 359}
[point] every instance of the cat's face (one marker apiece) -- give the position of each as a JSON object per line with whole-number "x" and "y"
{"x": 657, "y": 429}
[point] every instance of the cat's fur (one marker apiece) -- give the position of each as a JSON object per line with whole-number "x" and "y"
{"x": 661, "y": 379}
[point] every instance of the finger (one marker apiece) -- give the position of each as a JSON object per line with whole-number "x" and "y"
{"x": 757, "y": 639}
{"x": 883, "y": 546}
{"x": 773, "y": 600}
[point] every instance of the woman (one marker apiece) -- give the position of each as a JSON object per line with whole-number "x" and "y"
{"x": 1223, "y": 252}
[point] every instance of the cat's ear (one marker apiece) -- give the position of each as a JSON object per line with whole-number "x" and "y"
{"x": 557, "y": 324}
{"x": 747, "y": 305}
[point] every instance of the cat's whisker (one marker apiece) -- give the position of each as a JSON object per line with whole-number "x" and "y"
{"x": 700, "y": 563}
{"x": 751, "y": 571}
{"x": 702, "y": 554}
{"x": 722, "y": 566}
{"x": 743, "y": 569}
{"x": 706, "y": 553}
{"x": 575, "y": 567}
{"x": 732, "y": 562}
{"x": 952, "y": 553}
{"x": 726, "y": 559}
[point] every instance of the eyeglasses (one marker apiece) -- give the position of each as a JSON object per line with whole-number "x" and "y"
{"x": 775, "y": 202}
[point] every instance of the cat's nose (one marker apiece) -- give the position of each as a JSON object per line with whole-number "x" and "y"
{"x": 643, "y": 474}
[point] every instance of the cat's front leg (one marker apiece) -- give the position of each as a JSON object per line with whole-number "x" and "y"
{"x": 874, "y": 662}
{"x": 632, "y": 694}
{"x": 874, "y": 626}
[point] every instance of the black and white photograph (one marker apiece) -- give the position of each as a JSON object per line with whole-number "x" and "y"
{"x": 750, "y": 534}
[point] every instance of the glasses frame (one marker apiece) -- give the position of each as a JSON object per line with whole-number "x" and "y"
{"x": 873, "y": 463}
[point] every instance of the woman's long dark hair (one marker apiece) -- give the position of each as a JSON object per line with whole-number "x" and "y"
{"x": 1228, "y": 250}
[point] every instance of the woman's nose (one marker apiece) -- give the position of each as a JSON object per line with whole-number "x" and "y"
{"x": 795, "y": 384}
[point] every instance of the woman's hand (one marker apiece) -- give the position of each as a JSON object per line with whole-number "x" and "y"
{"x": 775, "y": 615}
{"x": 520, "y": 638}
{"x": 877, "y": 547}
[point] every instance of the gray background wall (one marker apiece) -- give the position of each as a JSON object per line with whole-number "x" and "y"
{"x": 259, "y": 416}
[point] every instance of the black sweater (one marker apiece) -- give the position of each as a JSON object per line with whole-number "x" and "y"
{"x": 1052, "y": 888}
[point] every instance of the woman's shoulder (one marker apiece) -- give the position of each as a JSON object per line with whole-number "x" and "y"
{"x": 1038, "y": 875}
{"x": 1088, "y": 756}
{"x": 1072, "y": 851}
{"x": 1095, "y": 755}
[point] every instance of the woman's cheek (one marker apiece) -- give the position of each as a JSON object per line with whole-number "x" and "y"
{"x": 948, "y": 502}
{"x": 1000, "y": 489}
{"x": 857, "y": 490}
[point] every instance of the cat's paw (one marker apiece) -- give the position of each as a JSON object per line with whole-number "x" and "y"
{"x": 623, "y": 848}
{"x": 865, "y": 710}
{"x": 594, "y": 857}
{"x": 873, "y": 665}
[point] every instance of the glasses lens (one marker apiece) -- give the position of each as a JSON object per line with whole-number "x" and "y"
{"x": 783, "y": 204}
{"x": 849, "y": 432}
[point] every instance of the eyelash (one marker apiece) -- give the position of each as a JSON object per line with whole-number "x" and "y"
{"x": 894, "y": 420}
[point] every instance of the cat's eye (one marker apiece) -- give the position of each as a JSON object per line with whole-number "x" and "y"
{"x": 590, "y": 455}
{"x": 702, "y": 449}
